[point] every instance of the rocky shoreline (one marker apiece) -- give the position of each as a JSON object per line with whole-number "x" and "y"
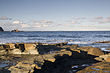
{"x": 52, "y": 58}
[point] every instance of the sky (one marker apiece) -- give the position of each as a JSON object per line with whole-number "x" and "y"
{"x": 55, "y": 15}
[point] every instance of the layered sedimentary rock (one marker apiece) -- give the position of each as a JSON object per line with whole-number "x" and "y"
{"x": 51, "y": 58}
{"x": 101, "y": 67}
{"x": 92, "y": 50}
{"x": 19, "y": 48}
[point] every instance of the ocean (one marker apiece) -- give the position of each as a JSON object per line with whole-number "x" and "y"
{"x": 82, "y": 38}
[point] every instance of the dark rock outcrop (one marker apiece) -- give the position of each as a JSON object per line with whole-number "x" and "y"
{"x": 102, "y": 42}
{"x": 1, "y": 29}
{"x": 15, "y": 30}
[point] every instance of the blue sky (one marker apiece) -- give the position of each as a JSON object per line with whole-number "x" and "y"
{"x": 55, "y": 15}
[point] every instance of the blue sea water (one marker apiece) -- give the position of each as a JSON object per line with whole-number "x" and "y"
{"x": 83, "y": 38}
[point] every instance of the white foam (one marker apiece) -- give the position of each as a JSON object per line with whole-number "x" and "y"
{"x": 78, "y": 42}
{"x": 104, "y": 49}
{"x": 74, "y": 66}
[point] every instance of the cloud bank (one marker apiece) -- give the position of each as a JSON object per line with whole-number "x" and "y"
{"x": 73, "y": 24}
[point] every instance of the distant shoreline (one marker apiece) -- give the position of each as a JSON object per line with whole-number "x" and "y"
{"x": 59, "y": 31}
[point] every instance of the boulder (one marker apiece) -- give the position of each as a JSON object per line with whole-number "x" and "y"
{"x": 104, "y": 56}
{"x": 22, "y": 68}
{"x": 107, "y": 59}
{"x": 95, "y": 51}
{"x": 99, "y": 59}
{"x": 33, "y": 51}
{"x": 27, "y": 46}
{"x": 15, "y": 51}
{"x": 9, "y": 45}
{"x": 61, "y": 53}
{"x": 2, "y": 52}
{"x": 1, "y": 47}
{"x": 49, "y": 57}
{"x": 85, "y": 48}
{"x": 76, "y": 50}
{"x": 92, "y": 50}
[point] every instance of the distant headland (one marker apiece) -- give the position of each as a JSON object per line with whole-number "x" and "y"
{"x": 1, "y": 29}
{"x": 15, "y": 30}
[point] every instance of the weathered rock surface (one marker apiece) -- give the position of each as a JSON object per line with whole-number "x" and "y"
{"x": 36, "y": 62}
{"x": 95, "y": 52}
{"x": 105, "y": 58}
{"x": 92, "y": 50}
{"x": 50, "y": 58}
{"x": 19, "y": 48}
{"x": 101, "y": 67}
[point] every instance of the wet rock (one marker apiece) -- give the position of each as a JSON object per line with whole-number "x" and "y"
{"x": 1, "y": 47}
{"x": 101, "y": 67}
{"x": 108, "y": 49}
{"x": 39, "y": 59}
{"x": 103, "y": 42}
{"x": 4, "y": 71}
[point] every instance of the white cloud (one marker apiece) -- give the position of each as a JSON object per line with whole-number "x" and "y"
{"x": 42, "y": 23}
{"x": 5, "y": 18}
{"x": 25, "y": 25}
{"x": 99, "y": 17}
{"x": 16, "y": 22}
{"x": 74, "y": 22}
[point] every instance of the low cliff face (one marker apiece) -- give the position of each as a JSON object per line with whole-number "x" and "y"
{"x": 1, "y": 29}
